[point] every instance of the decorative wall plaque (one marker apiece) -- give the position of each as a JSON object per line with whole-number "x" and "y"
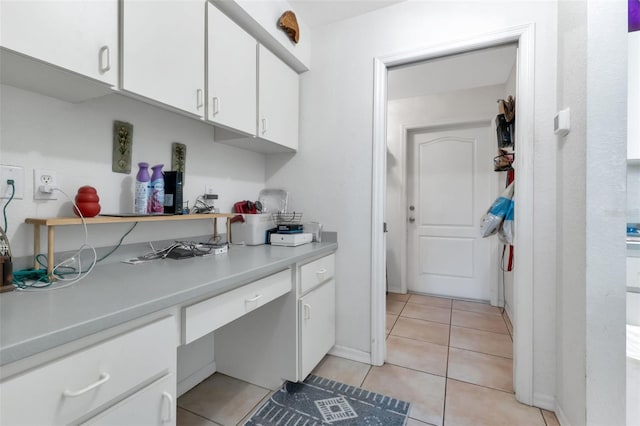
{"x": 179, "y": 158}
{"x": 122, "y": 147}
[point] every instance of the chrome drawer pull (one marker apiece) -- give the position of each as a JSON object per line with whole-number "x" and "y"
{"x": 307, "y": 311}
{"x": 253, "y": 299}
{"x": 104, "y": 377}
{"x": 166, "y": 396}
{"x": 105, "y": 59}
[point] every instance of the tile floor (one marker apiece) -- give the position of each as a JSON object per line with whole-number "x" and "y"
{"x": 451, "y": 359}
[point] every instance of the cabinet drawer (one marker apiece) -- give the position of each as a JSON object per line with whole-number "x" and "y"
{"x": 206, "y": 316}
{"x": 153, "y": 405}
{"x": 64, "y": 390}
{"x": 317, "y": 272}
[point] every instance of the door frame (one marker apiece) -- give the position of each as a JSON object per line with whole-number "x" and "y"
{"x": 524, "y": 36}
{"x": 496, "y": 296}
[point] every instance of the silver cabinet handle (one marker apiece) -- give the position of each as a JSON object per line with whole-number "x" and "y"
{"x": 253, "y": 299}
{"x": 104, "y": 377}
{"x": 199, "y": 101}
{"x": 412, "y": 219}
{"x": 307, "y": 311}
{"x": 264, "y": 126}
{"x": 166, "y": 396}
{"x": 216, "y": 105}
{"x": 105, "y": 59}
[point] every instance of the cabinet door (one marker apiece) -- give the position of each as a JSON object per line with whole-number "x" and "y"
{"x": 317, "y": 326}
{"x": 232, "y": 68}
{"x": 163, "y": 52}
{"x": 152, "y": 405}
{"x": 277, "y": 100}
{"x": 80, "y": 36}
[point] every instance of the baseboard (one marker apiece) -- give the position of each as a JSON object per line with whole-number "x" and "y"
{"x": 395, "y": 289}
{"x": 562, "y": 418}
{"x": 507, "y": 309}
{"x": 545, "y": 401}
{"x": 200, "y": 375}
{"x": 350, "y": 353}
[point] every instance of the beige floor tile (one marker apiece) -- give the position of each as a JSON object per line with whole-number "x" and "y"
{"x": 257, "y": 406}
{"x": 186, "y": 418}
{"x": 438, "y": 302}
{"x": 483, "y": 308}
{"x": 481, "y": 369}
{"x": 222, "y": 399}
{"x": 427, "y": 313}
{"x": 418, "y": 355}
{"x": 390, "y": 322}
{"x": 342, "y": 370}
{"x": 397, "y": 297}
{"x": 482, "y": 341}
{"x": 424, "y": 391}
{"x": 422, "y": 330}
{"x": 550, "y": 418}
{"x": 486, "y": 322}
{"x": 394, "y": 307}
{"x": 414, "y": 422}
{"x": 468, "y": 404}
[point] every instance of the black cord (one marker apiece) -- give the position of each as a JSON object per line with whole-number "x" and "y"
{"x": 4, "y": 210}
{"x": 119, "y": 243}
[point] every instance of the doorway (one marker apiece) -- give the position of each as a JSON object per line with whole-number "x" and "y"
{"x": 523, "y": 36}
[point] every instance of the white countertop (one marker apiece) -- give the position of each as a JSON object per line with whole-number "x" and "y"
{"x": 35, "y": 321}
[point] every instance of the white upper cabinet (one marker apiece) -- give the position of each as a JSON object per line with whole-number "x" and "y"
{"x": 232, "y": 68}
{"x": 80, "y": 36}
{"x": 163, "y": 52}
{"x": 277, "y": 101}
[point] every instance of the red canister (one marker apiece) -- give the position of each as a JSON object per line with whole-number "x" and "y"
{"x": 87, "y": 201}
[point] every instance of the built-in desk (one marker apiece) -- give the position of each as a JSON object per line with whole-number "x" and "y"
{"x": 92, "y": 327}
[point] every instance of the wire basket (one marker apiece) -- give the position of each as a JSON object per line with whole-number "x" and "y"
{"x": 287, "y": 218}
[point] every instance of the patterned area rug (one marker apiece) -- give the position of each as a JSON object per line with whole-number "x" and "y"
{"x": 319, "y": 401}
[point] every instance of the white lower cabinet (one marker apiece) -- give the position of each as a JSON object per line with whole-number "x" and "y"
{"x": 317, "y": 325}
{"x": 87, "y": 382}
{"x": 287, "y": 338}
{"x": 153, "y": 405}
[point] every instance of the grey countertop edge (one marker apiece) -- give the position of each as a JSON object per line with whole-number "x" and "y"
{"x": 36, "y": 344}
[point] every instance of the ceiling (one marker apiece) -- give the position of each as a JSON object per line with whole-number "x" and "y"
{"x": 316, "y": 13}
{"x": 485, "y": 67}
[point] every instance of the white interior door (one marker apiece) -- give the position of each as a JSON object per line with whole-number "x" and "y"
{"x": 449, "y": 187}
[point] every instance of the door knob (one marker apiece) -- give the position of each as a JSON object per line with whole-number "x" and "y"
{"x": 412, "y": 219}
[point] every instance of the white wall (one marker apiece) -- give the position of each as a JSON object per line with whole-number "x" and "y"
{"x": 606, "y": 197}
{"x": 633, "y": 98}
{"x": 633, "y": 193}
{"x": 590, "y": 224}
{"x": 571, "y": 223}
{"x": 449, "y": 107}
{"x": 75, "y": 140}
{"x": 331, "y": 174}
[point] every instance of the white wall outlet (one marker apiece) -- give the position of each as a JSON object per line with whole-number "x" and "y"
{"x": 43, "y": 182}
{"x": 16, "y": 173}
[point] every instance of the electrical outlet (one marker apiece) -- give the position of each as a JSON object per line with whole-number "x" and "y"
{"x": 43, "y": 177}
{"x": 16, "y": 173}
